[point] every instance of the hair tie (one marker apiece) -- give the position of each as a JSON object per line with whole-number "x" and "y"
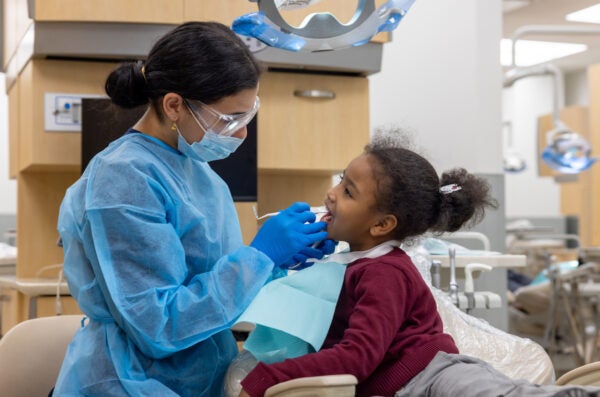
{"x": 447, "y": 189}
{"x": 143, "y": 70}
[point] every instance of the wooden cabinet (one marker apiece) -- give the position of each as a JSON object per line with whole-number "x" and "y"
{"x": 594, "y": 135}
{"x": 39, "y": 195}
{"x": 45, "y": 164}
{"x": 13, "y": 131}
{"x": 227, "y": 11}
{"x": 219, "y": 11}
{"x": 53, "y": 150}
{"x": 247, "y": 220}
{"x": 311, "y": 122}
{"x": 277, "y": 191}
{"x": 14, "y": 309}
{"x": 147, "y": 11}
{"x": 15, "y": 23}
{"x": 310, "y": 126}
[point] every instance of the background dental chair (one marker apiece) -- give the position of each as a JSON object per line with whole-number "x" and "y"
{"x": 517, "y": 358}
{"x": 32, "y": 352}
{"x": 586, "y": 375}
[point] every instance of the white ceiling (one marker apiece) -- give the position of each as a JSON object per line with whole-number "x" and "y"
{"x": 518, "y": 13}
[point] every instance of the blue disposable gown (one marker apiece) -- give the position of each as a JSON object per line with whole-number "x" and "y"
{"x": 154, "y": 258}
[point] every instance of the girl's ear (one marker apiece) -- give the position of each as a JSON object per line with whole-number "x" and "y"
{"x": 384, "y": 226}
{"x": 173, "y": 106}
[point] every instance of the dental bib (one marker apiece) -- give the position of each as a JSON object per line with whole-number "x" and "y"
{"x": 293, "y": 314}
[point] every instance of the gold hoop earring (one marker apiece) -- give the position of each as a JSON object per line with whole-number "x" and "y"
{"x": 173, "y": 127}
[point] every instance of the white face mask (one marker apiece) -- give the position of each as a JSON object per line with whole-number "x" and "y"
{"x": 211, "y": 147}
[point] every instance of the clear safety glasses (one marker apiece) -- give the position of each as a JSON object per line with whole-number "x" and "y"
{"x": 219, "y": 123}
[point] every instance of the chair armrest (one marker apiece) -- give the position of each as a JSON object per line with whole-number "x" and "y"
{"x": 344, "y": 386}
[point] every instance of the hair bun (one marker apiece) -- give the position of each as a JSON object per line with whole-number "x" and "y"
{"x": 464, "y": 198}
{"x": 126, "y": 85}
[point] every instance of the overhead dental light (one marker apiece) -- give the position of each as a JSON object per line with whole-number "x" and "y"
{"x": 567, "y": 151}
{"x": 319, "y": 31}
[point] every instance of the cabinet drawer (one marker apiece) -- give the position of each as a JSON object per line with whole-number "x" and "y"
{"x": 46, "y": 306}
{"x": 311, "y": 122}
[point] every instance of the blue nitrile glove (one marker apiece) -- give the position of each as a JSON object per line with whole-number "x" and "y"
{"x": 299, "y": 260}
{"x": 327, "y": 247}
{"x": 286, "y": 234}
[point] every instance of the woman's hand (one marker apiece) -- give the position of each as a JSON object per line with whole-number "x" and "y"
{"x": 244, "y": 394}
{"x": 290, "y": 232}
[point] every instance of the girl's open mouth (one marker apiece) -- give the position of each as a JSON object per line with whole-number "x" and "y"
{"x": 326, "y": 218}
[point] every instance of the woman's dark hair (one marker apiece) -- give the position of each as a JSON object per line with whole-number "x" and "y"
{"x": 408, "y": 187}
{"x": 197, "y": 60}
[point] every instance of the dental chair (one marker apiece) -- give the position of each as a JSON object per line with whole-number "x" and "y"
{"x": 32, "y": 352}
{"x": 516, "y": 357}
{"x": 316, "y": 386}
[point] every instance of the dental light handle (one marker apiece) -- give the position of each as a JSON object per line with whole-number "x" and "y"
{"x": 469, "y": 269}
{"x": 453, "y": 287}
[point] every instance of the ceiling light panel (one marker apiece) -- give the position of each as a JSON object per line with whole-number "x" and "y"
{"x": 589, "y": 15}
{"x": 532, "y": 52}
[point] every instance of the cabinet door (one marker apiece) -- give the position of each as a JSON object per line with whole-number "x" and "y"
{"x": 311, "y": 122}
{"x": 216, "y": 10}
{"x": 148, "y": 11}
{"x": 13, "y": 309}
{"x": 57, "y": 150}
{"x": 13, "y": 130}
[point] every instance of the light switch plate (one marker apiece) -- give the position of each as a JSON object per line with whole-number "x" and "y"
{"x": 62, "y": 112}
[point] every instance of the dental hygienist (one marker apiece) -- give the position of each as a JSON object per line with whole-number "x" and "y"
{"x": 153, "y": 248}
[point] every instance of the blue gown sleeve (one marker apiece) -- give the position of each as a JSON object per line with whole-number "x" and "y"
{"x": 163, "y": 279}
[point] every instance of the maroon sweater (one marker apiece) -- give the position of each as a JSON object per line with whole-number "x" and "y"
{"x": 385, "y": 330}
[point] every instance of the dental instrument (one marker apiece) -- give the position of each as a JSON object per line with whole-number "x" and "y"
{"x": 314, "y": 210}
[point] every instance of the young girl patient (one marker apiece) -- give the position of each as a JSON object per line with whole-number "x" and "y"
{"x": 386, "y": 330}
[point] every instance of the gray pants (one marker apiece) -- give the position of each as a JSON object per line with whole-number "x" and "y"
{"x": 456, "y": 375}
